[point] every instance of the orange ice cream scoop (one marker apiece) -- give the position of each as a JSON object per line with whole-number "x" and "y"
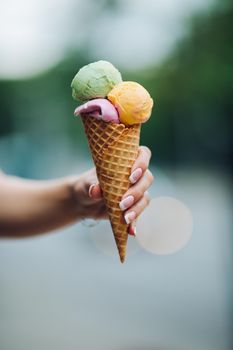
{"x": 132, "y": 101}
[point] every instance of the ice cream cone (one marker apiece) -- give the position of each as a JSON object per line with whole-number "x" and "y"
{"x": 114, "y": 148}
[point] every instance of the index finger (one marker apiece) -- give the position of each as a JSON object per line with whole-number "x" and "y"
{"x": 143, "y": 159}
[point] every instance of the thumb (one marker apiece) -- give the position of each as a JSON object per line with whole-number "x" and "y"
{"x": 95, "y": 191}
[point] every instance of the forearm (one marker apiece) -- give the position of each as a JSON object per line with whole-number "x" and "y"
{"x": 33, "y": 207}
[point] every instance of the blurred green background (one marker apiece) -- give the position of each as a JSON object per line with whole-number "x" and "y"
{"x": 181, "y": 51}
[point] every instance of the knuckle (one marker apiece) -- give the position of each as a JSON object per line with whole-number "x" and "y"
{"x": 147, "y": 150}
{"x": 141, "y": 192}
{"x": 142, "y": 164}
{"x": 142, "y": 204}
{"x": 137, "y": 195}
{"x": 144, "y": 156}
{"x": 137, "y": 192}
{"x": 150, "y": 176}
{"x": 147, "y": 198}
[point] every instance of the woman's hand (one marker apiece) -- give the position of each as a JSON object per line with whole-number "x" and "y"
{"x": 136, "y": 199}
{"x": 89, "y": 197}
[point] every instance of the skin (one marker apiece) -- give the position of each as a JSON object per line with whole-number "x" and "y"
{"x": 30, "y": 207}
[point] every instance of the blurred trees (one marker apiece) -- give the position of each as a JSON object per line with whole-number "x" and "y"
{"x": 192, "y": 90}
{"x": 192, "y": 118}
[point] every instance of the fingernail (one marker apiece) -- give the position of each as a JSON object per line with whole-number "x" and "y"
{"x": 132, "y": 231}
{"x": 136, "y": 174}
{"x": 129, "y": 217}
{"x": 90, "y": 190}
{"x": 135, "y": 230}
{"x": 126, "y": 202}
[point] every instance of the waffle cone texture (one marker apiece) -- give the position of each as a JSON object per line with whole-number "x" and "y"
{"x": 114, "y": 148}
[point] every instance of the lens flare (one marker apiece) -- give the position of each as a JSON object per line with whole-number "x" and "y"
{"x": 165, "y": 226}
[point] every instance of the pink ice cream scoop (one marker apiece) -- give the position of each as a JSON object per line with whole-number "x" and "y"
{"x": 100, "y": 109}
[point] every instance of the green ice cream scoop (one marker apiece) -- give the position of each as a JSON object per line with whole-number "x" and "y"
{"x": 95, "y": 80}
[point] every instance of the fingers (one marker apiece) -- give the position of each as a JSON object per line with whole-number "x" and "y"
{"x": 141, "y": 164}
{"x": 136, "y": 198}
{"x": 136, "y": 191}
{"x": 134, "y": 211}
{"x": 91, "y": 185}
{"x": 95, "y": 191}
{"x": 132, "y": 229}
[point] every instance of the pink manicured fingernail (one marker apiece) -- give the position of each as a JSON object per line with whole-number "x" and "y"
{"x": 90, "y": 190}
{"x": 130, "y": 217}
{"x": 132, "y": 231}
{"x": 126, "y": 202}
{"x": 136, "y": 174}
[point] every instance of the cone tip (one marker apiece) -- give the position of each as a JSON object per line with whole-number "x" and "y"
{"x": 122, "y": 258}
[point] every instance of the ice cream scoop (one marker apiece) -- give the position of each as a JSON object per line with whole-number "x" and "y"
{"x": 100, "y": 109}
{"x": 95, "y": 80}
{"x": 132, "y": 101}
{"x": 113, "y": 129}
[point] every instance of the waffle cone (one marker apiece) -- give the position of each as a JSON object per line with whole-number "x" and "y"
{"x": 114, "y": 148}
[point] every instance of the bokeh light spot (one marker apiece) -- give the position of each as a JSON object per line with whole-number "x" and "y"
{"x": 165, "y": 226}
